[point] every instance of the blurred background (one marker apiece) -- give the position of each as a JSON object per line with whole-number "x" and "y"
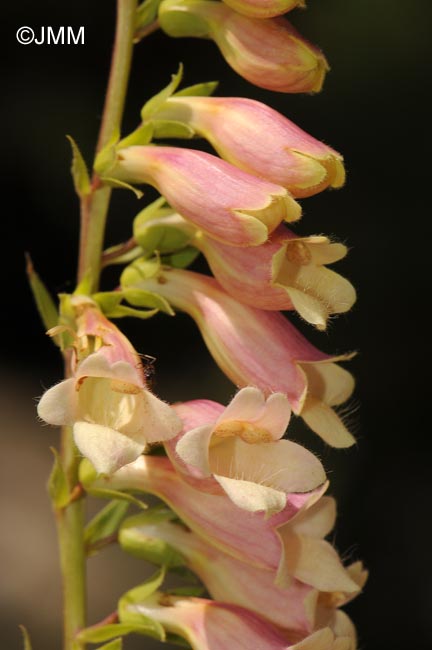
{"x": 374, "y": 109}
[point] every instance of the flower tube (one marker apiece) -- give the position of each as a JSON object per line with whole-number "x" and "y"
{"x": 211, "y": 625}
{"x": 269, "y": 53}
{"x": 251, "y": 537}
{"x": 239, "y": 448}
{"x": 262, "y": 349}
{"x": 297, "y": 607}
{"x": 222, "y": 200}
{"x": 260, "y": 141}
{"x": 106, "y": 401}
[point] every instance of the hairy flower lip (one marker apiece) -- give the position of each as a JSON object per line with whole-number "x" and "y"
{"x": 241, "y": 450}
{"x": 251, "y": 537}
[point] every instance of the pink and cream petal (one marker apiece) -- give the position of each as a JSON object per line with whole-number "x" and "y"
{"x": 59, "y": 404}
{"x": 275, "y": 416}
{"x": 246, "y": 405}
{"x": 252, "y": 497}
{"x": 107, "y": 449}
{"x": 324, "y": 421}
{"x": 193, "y": 450}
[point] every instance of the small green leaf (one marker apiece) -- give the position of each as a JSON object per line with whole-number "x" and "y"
{"x": 122, "y": 258}
{"x": 142, "y": 298}
{"x": 123, "y": 312}
{"x": 137, "y": 595}
{"x": 79, "y": 171}
{"x": 58, "y": 488}
{"x": 158, "y": 208}
{"x": 44, "y": 302}
{"x": 181, "y": 259}
{"x": 140, "y": 270}
{"x": 141, "y": 136}
{"x": 107, "y": 156}
{"x": 108, "y": 300}
{"x": 158, "y": 100}
{"x": 203, "y": 90}
{"x": 105, "y": 493}
{"x": 172, "y": 129}
{"x": 114, "y": 182}
{"x": 105, "y": 522}
{"x": 117, "y": 644}
{"x": 26, "y": 638}
{"x": 146, "y": 14}
{"x": 106, "y": 632}
{"x": 84, "y": 287}
{"x": 161, "y": 238}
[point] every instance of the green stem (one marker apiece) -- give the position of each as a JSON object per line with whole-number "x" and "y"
{"x": 94, "y": 209}
{"x": 70, "y": 528}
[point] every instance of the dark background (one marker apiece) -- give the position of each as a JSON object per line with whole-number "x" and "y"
{"x": 374, "y": 110}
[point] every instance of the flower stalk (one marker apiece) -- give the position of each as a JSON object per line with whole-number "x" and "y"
{"x": 94, "y": 209}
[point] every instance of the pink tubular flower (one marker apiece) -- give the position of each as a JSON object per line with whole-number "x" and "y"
{"x": 251, "y": 537}
{"x": 112, "y": 412}
{"x": 225, "y": 202}
{"x": 239, "y": 449}
{"x": 297, "y": 607}
{"x": 211, "y": 625}
{"x": 286, "y": 272}
{"x": 262, "y": 349}
{"x": 263, "y": 8}
{"x": 261, "y": 141}
{"x": 269, "y": 53}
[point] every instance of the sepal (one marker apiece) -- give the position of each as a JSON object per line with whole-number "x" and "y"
{"x": 117, "y": 644}
{"x": 137, "y": 595}
{"x": 80, "y": 175}
{"x": 58, "y": 487}
{"x": 153, "y": 104}
{"x": 142, "y": 135}
{"x": 146, "y": 14}
{"x": 134, "y": 540}
{"x": 105, "y": 522}
{"x": 204, "y": 89}
{"x": 44, "y": 302}
{"x": 121, "y": 185}
{"x": 181, "y": 259}
{"x": 147, "y": 627}
{"x": 107, "y": 156}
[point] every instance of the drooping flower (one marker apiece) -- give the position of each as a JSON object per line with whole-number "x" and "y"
{"x": 252, "y": 537}
{"x": 222, "y": 200}
{"x": 239, "y": 448}
{"x": 262, "y": 349}
{"x": 261, "y": 141}
{"x": 263, "y": 8}
{"x": 106, "y": 401}
{"x": 297, "y": 607}
{"x": 269, "y": 53}
{"x": 285, "y": 273}
{"x": 211, "y": 625}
